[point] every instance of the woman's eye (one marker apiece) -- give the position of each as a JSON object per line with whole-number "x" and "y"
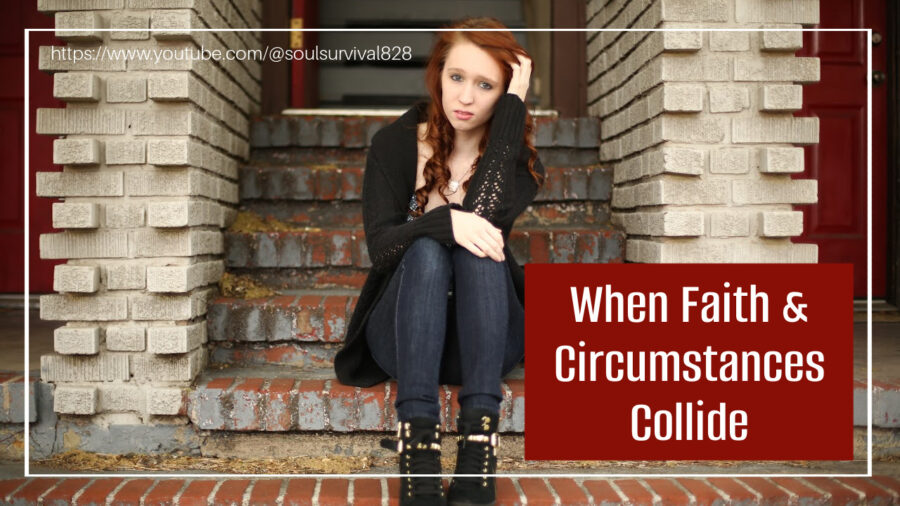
{"x": 455, "y": 77}
{"x": 485, "y": 86}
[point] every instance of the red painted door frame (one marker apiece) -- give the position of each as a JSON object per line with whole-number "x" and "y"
{"x": 892, "y": 48}
{"x": 837, "y": 223}
{"x": 17, "y": 16}
{"x": 305, "y": 74}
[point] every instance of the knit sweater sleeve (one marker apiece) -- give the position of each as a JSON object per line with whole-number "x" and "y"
{"x": 501, "y": 187}
{"x": 388, "y": 233}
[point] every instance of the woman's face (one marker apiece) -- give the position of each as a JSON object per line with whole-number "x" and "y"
{"x": 471, "y": 84}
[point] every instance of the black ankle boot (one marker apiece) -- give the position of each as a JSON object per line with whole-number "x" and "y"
{"x": 419, "y": 448}
{"x": 477, "y": 454}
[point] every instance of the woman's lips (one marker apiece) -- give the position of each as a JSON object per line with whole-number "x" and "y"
{"x": 463, "y": 115}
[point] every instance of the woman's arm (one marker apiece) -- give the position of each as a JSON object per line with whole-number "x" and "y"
{"x": 526, "y": 189}
{"x": 388, "y": 234}
{"x": 499, "y": 190}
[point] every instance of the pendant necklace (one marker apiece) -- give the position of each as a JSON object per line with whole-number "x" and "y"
{"x": 453, "y": 185}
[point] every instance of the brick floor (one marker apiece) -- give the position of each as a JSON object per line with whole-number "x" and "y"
{"x": 877, "y": 490}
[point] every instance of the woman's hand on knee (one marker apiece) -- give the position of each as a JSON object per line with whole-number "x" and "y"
{"x": 477, "y": 235}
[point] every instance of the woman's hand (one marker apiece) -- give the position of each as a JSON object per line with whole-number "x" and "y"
{"x": 477, "y": 235}
{"x": 521, "y": 74}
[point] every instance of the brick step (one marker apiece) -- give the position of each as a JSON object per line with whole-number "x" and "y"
{"x": 877, "y": 489}
{"x": 313, "y": 362}
{"x": 279, "y": 398}
{"x": 311, "y": 316}
{"x": 315, "y": 247}
{"x": 313, "y": 356}
{"x": 550, "y": 156}
{"x": 348, "y": 214}
{"x": 308, "y": 156}
{"x": 343, "y": 181}
{"x": 348, "y": 131}
{"x": 302, "y": 278}
{"x": 303, "y": 330}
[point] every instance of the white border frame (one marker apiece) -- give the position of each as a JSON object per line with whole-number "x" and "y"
{"x": 868, "y": 32}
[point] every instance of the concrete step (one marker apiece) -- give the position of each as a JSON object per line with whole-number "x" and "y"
{"x": 347, "y": 131}
{"x": 877, "y": 489}
{"x": 12, "y": 397}
{"x": 316, "y": 247}
{"x": 325, "y": 182}
{"x": 280, "y": 398}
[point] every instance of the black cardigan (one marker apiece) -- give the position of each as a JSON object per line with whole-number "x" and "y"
{"x": 500, "y": 189}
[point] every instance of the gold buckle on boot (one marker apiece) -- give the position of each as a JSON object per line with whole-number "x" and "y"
{"x": 493, "y": 439}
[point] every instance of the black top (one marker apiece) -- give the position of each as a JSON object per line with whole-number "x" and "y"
{"x": 499, "y": 190}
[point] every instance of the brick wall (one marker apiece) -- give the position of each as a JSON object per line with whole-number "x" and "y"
{"x": 150, "y": 153}
{"x": 699, "y": 127}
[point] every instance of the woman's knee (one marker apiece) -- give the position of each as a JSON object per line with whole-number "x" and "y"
{"x": 483, "y": 268}
{"x": 428, "y": 260}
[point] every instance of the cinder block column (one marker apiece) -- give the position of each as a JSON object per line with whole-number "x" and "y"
{"x": 149, "y": 143}
{"x": 699, "y": 127}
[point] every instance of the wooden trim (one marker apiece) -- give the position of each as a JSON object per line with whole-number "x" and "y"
{"x": 304, "y": 74}
{"x": 893, "y": 147}
{"x": 276, "y": 76}
{"x": 569, "y": 63}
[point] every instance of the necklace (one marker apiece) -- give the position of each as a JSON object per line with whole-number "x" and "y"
{"x": 453, "y": 185}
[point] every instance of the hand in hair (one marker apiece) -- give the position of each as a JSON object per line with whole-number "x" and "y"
{"x": 477, "y": 235}
{"x": 521, "y": 74}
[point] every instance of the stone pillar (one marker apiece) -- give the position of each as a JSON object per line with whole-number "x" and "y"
{"x": 149, "y": 152}
{"x": 699, "y": 127}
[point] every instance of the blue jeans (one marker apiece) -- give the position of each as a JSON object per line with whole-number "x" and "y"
{"x": 408, "y": 328}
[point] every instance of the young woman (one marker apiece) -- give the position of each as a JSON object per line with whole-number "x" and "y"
{"x": 443, "y": 302}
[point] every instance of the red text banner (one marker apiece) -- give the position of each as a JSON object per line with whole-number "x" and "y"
{"x": 689, "y": 361}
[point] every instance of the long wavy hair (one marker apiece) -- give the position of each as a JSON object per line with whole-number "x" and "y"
{"x": 439, "y": 133}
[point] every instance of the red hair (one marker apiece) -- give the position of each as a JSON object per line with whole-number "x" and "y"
{"x": 439, "y": 133}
